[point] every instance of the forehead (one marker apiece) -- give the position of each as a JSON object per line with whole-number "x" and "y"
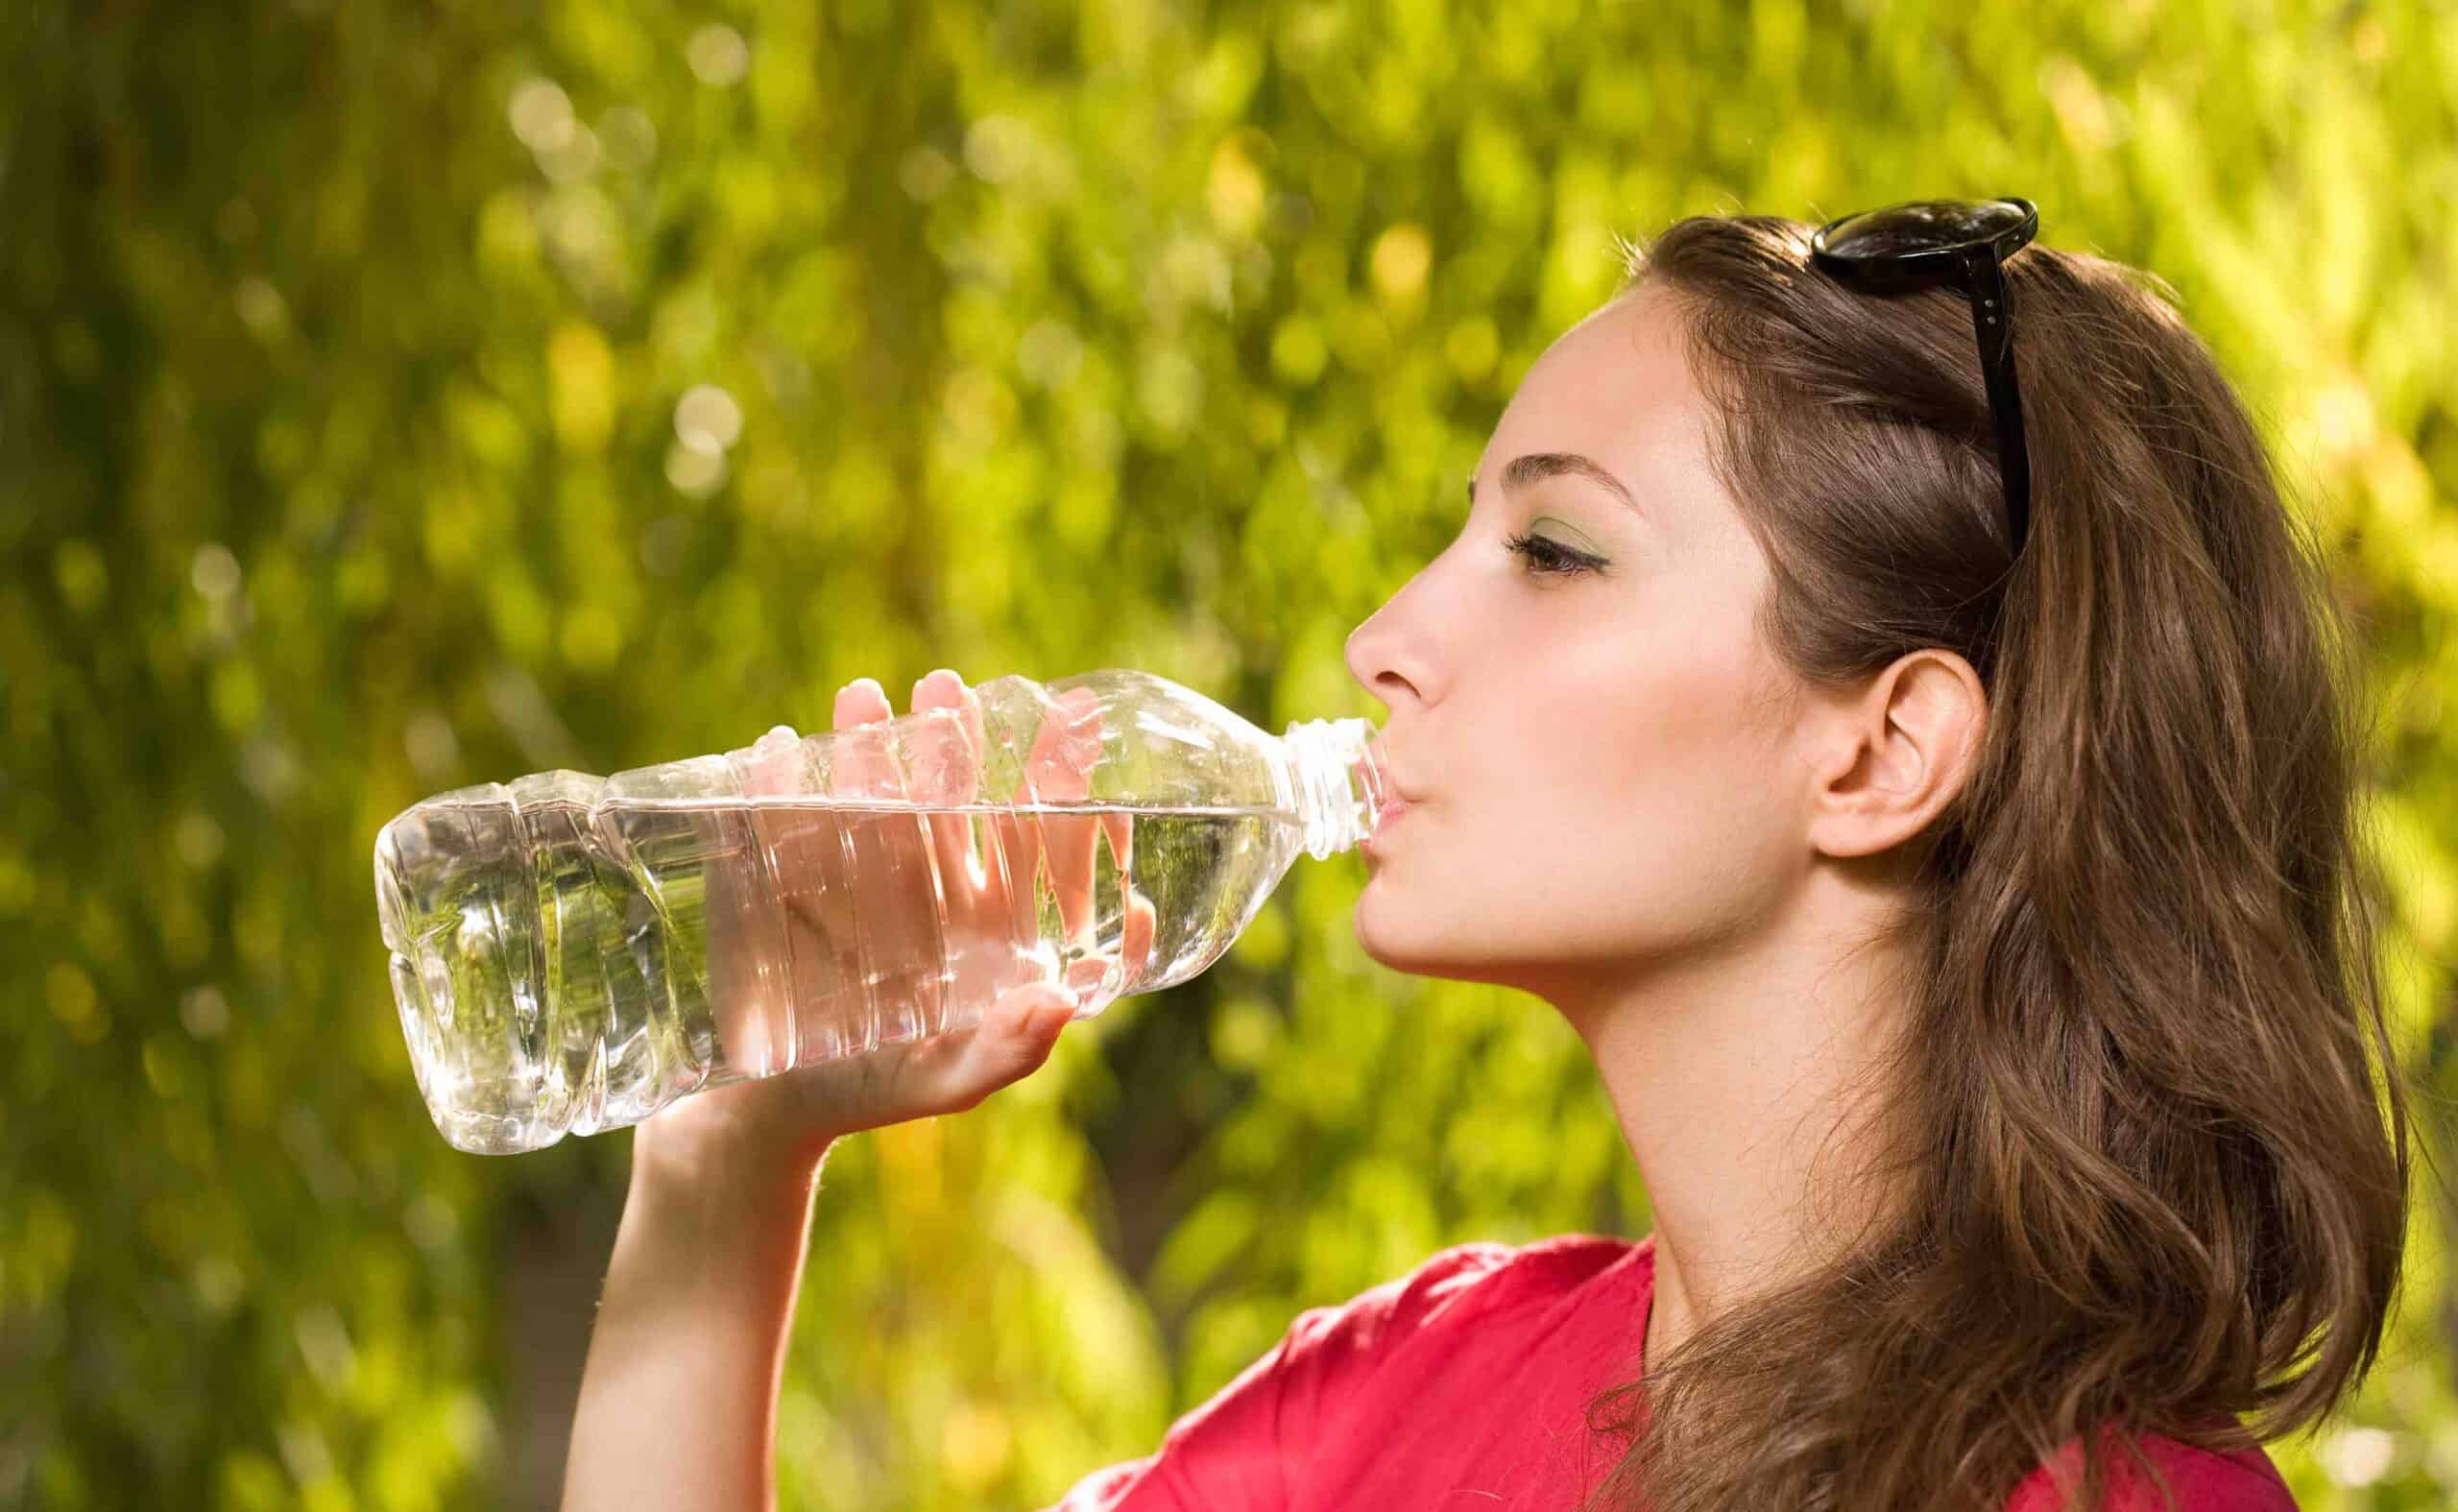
{"x": 1616, "y": 387}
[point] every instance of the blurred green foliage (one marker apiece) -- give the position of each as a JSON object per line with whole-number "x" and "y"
{"x": 399, "y": 397}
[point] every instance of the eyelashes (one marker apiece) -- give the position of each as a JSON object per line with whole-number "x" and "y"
{"x": 1549, "y": 557}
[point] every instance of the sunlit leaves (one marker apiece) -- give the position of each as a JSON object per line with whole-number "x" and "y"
{"x": 393, "y": 399}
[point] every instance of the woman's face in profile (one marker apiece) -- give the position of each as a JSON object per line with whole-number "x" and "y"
{"x": 1598, "y": 755}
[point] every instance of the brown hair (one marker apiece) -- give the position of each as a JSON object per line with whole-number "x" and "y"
{"x": 2150, "y": 1181}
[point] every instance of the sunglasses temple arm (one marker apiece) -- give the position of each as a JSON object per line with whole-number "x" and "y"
{"x": 1993, "y": 320}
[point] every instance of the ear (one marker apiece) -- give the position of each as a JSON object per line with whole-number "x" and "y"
{"x": 1894, "y": 755}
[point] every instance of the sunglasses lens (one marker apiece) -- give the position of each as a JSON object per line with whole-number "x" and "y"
{"x": 1931, "y": 226}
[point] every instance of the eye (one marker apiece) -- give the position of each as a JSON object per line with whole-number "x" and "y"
{"x": 1550, "y": 557}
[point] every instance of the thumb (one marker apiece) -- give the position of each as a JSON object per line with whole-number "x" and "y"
{"x": 1017, "y": 1035}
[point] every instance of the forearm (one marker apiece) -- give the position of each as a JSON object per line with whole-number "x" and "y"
{"x": 678, "y": 1397}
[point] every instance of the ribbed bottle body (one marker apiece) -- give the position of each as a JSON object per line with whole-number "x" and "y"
{"x": 572, "y": 952}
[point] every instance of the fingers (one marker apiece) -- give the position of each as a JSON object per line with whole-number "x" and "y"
{"x": 1136, "y": 932}
{"x": 756, "y": 1018}
{"x": 895, "y": 902}
{"x": 945, "y": 757}
{"x": 926, "y": 1078}
{"x": 1066, "y": 748}
{"x": 861, "y": 766}
{"x": 1015, "y": 1038}
{"x": 953, "y": 1072}
{"x": 1088, "y": 976}
{"x": 1059, "y": 770}
{"x": 1014, "y": 865}
{"x": 941, "y": 760}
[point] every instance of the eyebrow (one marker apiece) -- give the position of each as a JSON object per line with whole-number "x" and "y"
{"x": 1538, "y": 466}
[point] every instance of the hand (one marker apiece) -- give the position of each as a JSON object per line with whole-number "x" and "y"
{"x": 950, "y": 943}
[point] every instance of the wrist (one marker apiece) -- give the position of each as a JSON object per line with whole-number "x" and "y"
{"x": 710, "y": 1234}
{"x": 705, "y": 1212}
{"x": 725, "y": 1156}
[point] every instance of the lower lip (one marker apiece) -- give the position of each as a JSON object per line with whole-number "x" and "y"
{"x": 1389, "y": 816}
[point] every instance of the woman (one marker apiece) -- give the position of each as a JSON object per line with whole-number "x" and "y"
{"x": 1964, "y": 903}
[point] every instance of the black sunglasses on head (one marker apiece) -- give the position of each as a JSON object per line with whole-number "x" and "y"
{"x": 1962, "y": 245}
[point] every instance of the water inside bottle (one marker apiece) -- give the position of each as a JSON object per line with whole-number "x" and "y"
{"x": 684, "y": 943}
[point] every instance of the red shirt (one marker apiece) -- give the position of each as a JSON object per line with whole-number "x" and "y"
{"x": 1461, "y": 1387}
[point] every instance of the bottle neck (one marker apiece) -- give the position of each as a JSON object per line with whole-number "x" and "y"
{"x": 1336, "y": 766}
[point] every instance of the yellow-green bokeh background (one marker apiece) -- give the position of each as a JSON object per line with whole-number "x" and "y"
{"x": 350, "y": 450}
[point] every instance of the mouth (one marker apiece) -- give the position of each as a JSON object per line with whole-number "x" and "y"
{"x": 1392, "y": 787}
{"x": 1394, "y": 807}
{"x": 1397, "y": 800}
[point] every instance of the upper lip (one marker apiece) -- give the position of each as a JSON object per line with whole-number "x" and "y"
{"x": 1393, "y": 787}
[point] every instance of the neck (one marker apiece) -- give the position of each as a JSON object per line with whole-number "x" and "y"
{"x": 1746, "y": 1089}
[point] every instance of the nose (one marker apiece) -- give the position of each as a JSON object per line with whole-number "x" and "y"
{"x": 1379, "y": 657}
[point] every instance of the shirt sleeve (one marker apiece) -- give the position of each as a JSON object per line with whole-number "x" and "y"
{"x": 1228, "y": 1454}
{"x": 1223, "y": 1455}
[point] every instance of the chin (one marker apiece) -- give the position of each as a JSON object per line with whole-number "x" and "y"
{"x": 1387, "y": 941}
{"x": 1426, "y": 947}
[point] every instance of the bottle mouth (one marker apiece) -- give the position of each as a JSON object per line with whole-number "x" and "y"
{"x": 1372, "y": 776}
{"x": 1341, "y": 782}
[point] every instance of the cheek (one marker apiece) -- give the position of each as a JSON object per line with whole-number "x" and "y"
{"x": 1657, "y": 719}
{"x": 1614, "y": 793}
{"x": 1650, "y": 810}
{"x": 1703, "y": 804}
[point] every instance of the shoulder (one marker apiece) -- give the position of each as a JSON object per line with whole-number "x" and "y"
{"x": 1461, "y": 1285}
{"x": 1335, "y": 1367}
{"x": 2202, "y": 1480}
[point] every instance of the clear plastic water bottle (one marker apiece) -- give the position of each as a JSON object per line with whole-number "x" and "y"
{"x": 572, "y": 952}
